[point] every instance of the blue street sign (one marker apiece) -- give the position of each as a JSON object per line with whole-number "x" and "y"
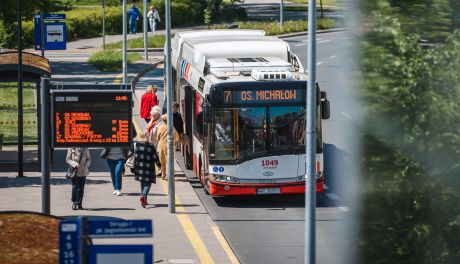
{"x": 120, "y": 254}
{"x": 54, "y": 16}
{"x": 55, "y": 36}
{"x": 38, "y": 32}
{"x": 120, "y": 228}
{"x": 50, "y": 32}
{"x": 68, "y": 242}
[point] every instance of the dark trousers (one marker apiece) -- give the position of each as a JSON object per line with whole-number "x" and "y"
{"x": 78, "y": 189}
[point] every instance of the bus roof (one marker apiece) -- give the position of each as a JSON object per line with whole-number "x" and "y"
{"x": 240, "y": 46}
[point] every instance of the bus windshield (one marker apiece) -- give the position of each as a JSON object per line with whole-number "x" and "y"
{"x": 238, "y": 132}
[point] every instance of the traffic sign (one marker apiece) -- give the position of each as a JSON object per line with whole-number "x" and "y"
{"x": 68, "y": 242}
{"x": 120, "y": 228}
{"x": 120, "y": 254}
{"x": 50, "y": 32}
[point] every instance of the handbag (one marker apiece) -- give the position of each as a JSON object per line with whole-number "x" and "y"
{"x": 72, "y": 171}
{"x": 130, "y": 161}
{"x": 104, "y": 153}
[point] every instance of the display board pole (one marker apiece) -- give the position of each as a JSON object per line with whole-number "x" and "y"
{"x": 20, "y": 112}
{"x": 169, "y": 100}
{"x": 45, "y": 144}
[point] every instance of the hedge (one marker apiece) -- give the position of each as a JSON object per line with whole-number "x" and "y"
{"x": 87, "y": 22}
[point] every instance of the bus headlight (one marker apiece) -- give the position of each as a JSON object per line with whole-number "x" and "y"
{"x": 224, "y": 178}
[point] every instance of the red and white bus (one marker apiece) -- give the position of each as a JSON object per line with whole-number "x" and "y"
{"x": 242, "y": 95}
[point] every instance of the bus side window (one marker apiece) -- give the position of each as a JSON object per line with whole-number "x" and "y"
{"x": 198, "y": 127}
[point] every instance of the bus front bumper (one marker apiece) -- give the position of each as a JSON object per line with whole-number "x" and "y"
{"x": 231, "y": 189}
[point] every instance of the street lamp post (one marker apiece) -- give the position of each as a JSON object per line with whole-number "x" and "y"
{"x": 20, "y": 112}
{"x": 144, "y": 23}
{"x": 169, "y": 99}
{"x": 103, "y": 24}
{"x": 281, "y": 13}
{"x": 125, "y": 59}
{"x": 310, "y": 146}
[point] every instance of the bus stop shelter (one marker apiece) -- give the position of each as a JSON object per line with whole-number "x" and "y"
{"x": 34, "y": 67}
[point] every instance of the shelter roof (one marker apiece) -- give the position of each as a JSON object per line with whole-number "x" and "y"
{"x": 34, "y": 66}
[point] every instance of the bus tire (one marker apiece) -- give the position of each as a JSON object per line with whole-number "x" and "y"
{"x": 188, "y": 159}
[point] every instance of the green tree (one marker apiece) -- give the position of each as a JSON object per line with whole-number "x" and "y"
{"x": 411, "y": 207}
{"x": 9, "y": 16}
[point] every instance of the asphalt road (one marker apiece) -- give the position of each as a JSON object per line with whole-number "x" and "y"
{"x": 270, "y": 229}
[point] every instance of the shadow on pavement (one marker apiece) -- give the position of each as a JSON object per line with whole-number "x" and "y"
{"x": 8, "y": 182}
{"x": 107, "y": 209}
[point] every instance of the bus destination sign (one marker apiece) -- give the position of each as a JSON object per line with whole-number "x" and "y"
{"x": 257, "y": 96}
{"x": 91, "y": 118}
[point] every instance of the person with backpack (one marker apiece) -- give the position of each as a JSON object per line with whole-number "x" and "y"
{"x": 154, "y": 19}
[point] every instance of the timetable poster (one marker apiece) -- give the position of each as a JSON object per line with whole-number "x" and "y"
{"x": 91, "y": 118}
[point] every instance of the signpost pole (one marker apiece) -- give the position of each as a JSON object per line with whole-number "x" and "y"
{"x": 144, "y": 22}
{"x": 310, "y": 181}
{"x": 42, "y": 24}
{"x": 125, "y": 61}
{"x": 82, "y": 240}
{"x": 44, "y": 144}
{"x": 169, "y": 99}
{"x": 20, "y": 113}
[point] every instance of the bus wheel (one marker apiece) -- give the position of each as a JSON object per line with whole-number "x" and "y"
{"x": 206, "y": 184}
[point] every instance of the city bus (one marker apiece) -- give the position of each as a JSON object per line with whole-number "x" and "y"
{"x": 242, "y": 96}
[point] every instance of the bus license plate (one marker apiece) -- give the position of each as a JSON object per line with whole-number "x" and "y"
{"x": 268, "y": 191}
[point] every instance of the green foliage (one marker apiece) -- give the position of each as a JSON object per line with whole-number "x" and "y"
{"x": 411, "y": 206}
{"x": 9, "y": 112}
{"x": 85, "y": 22}
{"x": 157, "y": 41}
{"x": 111, "y": 60}
{"x": 273, "y": 28}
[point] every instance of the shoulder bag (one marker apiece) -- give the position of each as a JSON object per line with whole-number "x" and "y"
{"x": 72, "y": 171}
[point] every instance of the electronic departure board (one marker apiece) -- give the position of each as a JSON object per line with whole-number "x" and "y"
{"x": 91, "y": 118}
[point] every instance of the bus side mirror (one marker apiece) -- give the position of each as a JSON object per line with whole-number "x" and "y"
{"x": 325, "y": 106}
{"x": 207, "y": 112}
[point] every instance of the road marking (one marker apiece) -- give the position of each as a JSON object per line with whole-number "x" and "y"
{"x": 326, "y": 40}
{"x": 118, "y": 78}
{"x": 344, "y": 209}
{"x": 346, "y": 115}
{"x": 223, "y": 242}
{"x": 301, "y": 44}
{"x": 319, "y": 63}
{"x": 331, "y": 57}
{"x": 190, "y": 230}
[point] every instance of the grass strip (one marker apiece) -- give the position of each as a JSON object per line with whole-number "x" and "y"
{"x": 111, "y": 60}
{"x": 9, "y": 112}
{"x": 273, "y": 28}
{"x": 157, "y": 41}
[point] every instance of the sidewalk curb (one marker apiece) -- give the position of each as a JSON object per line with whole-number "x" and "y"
{"x": 303, "y": 33}
{"x": 142, "y": 72}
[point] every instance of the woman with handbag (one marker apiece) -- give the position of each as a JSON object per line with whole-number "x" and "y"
{"x": 145, "y": 157}
{"x": 79, "y": 160}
